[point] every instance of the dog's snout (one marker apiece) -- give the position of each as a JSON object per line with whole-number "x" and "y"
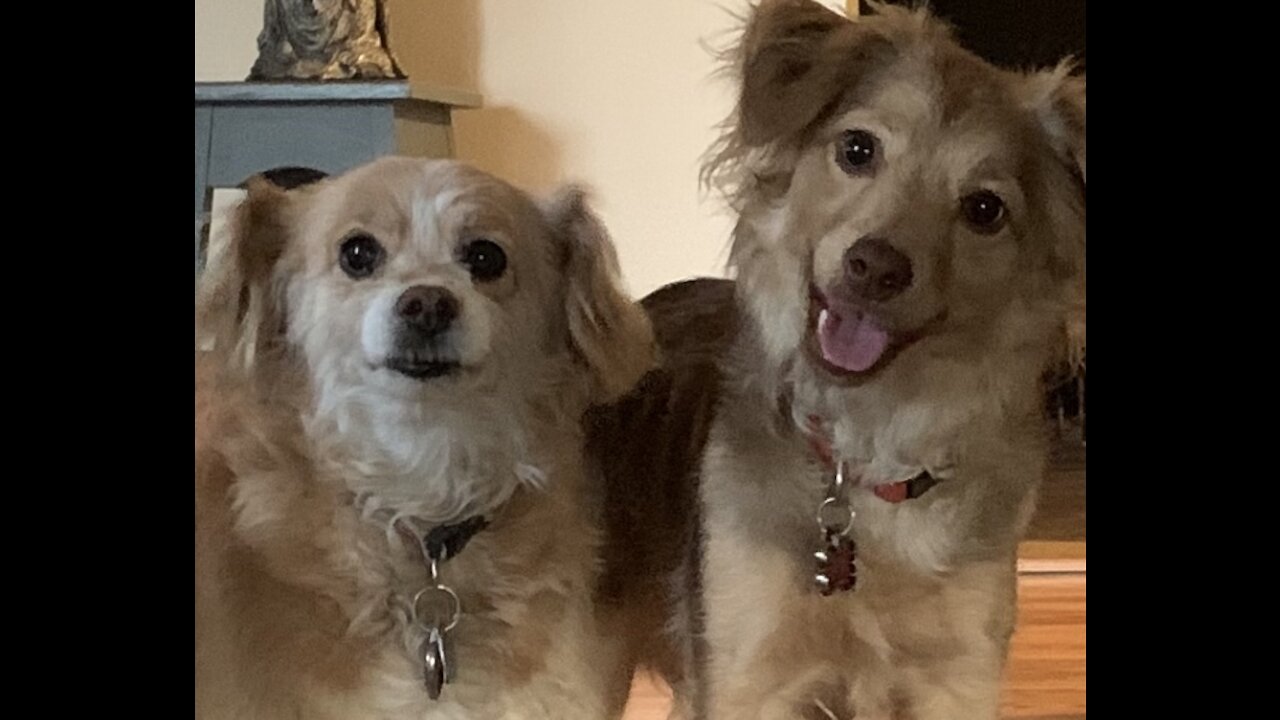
{"x": 876, "y": 270}
{"x": 428, "y": 309}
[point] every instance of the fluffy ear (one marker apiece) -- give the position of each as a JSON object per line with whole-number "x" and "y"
{"x": 797, "y": 56}
{"x": 238, "y": 306}
{"x": 609, "y": 333}
{"x": 1057, "y": 99}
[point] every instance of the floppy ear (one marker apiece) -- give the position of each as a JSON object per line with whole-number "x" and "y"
{"x": 609, "y": 333}
{"x": 796, "y": 58}
{"x": 238, "y": 305}
{"x": 1056, "y": 99}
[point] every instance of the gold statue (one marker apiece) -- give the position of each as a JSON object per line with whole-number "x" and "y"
{"x": 324, "y": 40}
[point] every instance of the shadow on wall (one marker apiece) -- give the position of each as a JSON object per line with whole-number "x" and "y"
{"x": 525, "y": 154}
{"x": 440, "y": 42}
{"x": 437, "y": 41}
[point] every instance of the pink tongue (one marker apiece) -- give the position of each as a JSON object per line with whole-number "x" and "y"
{"x": 852, "y": 341}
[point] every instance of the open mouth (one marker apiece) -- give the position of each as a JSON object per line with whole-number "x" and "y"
{"x": 850, "y": 342}
{"x": 422, "y": 369}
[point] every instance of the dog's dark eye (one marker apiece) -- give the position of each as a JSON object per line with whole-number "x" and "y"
{"x": 360, "y": 255}
{"x": 856, "y": 151}
{"x": 484, "y": 259}
{"x": 984, "y": 211}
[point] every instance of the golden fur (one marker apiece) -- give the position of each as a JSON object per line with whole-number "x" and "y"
{"x": 308, "y": 447}
{"x": 925, "y": 633}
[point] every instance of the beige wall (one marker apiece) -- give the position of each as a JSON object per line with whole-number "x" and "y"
{"x": 617, "y": 94}
{"x": 226, "y": 31}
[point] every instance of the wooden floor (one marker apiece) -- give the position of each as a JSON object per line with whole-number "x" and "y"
{"x": 1046, "y": 673}
{"x": 650, "y": 699}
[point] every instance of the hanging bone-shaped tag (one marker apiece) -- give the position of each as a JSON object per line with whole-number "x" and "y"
{"x": 837, "y": 568}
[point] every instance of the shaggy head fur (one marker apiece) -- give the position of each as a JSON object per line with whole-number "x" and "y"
{"x": 859, "y": 141}
{"x": 430, "y": 416}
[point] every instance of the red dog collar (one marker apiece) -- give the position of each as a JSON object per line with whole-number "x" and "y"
{"x": 820, "y": 443}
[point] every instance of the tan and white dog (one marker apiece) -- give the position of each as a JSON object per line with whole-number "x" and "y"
{"x": 910, "y": 235}
{"x": 402, "y": 355}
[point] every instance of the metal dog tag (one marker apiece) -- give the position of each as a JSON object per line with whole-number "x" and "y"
{"x": 837, "y": 569}
{"x": 435, "y": 666}
{"x": 837, "y": 565}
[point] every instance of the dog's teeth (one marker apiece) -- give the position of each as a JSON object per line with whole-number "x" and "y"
{"x": 822, "y": 581}
{"x": 820, "y": 556}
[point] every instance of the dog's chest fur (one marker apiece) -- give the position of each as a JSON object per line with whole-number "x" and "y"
{"x": 923, "y": 591}
{"x": 301, "y": 597}
{"x": 970, "y": 427}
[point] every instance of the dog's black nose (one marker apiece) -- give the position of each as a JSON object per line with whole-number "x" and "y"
{"x": 427, "y": 308}
{"x": 876, "y": 270}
